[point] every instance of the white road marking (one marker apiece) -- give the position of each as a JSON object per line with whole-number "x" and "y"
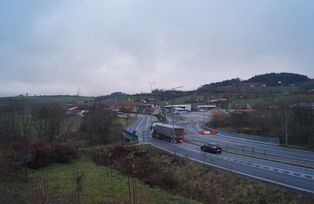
{"x": 251, "y": 164}
{"x": 139, "y": 125}
{"x": 238, "y": 172}
{"x": 260, "y": 166}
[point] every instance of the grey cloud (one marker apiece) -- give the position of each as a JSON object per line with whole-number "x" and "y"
{"x": 106, "y": 46}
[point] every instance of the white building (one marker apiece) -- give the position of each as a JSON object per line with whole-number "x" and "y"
{"x": 186, "y": 107}
{"x": 205, "y": 107}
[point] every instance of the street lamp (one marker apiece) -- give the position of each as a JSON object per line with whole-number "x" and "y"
{"x": 286, "y": 123}
{"x": 286, "y": 115}
{"x": 286, "y": 120}
{"x": 172, "y": 107}
{"x": 151, "y": 86}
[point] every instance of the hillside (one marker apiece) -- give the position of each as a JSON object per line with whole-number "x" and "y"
{"x": 260, "y": 83}
{"x": 278, "y": 79}
{"x": 236, "y": 85}
{"x": 64, "y": 99}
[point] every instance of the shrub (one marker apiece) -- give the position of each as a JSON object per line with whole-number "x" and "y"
{"x": 64, "y": 153}
{"x": 17, "y": 155}
{"x": 8, "y": 161}
{"x": 41, "y": 155}
{"x": 99, "y": 126}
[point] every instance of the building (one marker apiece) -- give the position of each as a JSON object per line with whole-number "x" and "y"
{"x": 205, "y": 107}
{"x": 76, "y": 111}
{"x": 183, "y": 107}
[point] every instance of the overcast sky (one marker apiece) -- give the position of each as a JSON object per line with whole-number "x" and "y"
{"x": 55, "y": 47}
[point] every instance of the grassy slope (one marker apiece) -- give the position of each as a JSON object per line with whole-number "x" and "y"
{"x": 188, "y": 178}
{"x": 251, "y": 101}
{"x": 125, "y": 122}
{"x": 99, "y": 184}
{"x": 52, "y": 98}
{"x": 273, "y": 99}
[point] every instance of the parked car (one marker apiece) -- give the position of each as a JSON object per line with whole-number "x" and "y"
{"x": 212, "y": 148}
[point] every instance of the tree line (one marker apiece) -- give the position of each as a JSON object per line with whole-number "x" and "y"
{"x": 269, "y": 119}
{"x": 22, "y": 120}
{"x": 37, "y": 134}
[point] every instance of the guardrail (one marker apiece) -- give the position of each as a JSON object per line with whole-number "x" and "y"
{"x": 260, "y": 154}
{"x": 272, "y": 140}
{"x": 130, "y": 135}
{"x": 263, "y": 154}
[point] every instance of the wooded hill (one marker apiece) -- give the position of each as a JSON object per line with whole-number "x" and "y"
{"x": 270, "y": 79}
{"x": 269, "y": 83}
{"x": 278, "y": 79}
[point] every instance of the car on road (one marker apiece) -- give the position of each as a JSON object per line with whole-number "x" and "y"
{"x": 211, "y": 147}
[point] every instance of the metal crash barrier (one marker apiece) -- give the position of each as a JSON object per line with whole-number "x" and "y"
{"x": 130, "y": 135}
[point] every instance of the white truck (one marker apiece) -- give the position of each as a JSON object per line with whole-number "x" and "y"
{"x": 168, "y": 132}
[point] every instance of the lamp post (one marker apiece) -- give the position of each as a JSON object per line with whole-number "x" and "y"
{"x": 286, "y": 115}
{"x": 286, "y": 122}
{"x": 172, "y": 116}
{"x": 286, "y": 118}
{"x": 151, "y": 86}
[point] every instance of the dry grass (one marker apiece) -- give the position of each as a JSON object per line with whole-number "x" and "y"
{"x": 192, "y": 180}
{"x": 81, "y": 182}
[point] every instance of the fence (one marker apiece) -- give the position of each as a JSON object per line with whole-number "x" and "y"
{"x": 272, "y": 140}
{"x": 259, "y": 153}
{"x": 264, "y": 154}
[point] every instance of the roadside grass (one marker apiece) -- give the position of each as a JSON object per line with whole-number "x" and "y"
{"x": 191, "y": 179}
{"x": 138, "y": 174}
{"x": 125, "y": 122}
{"x": 297, "y": 147}
{"x": 183, "y": 99}
{"x": 81, "y": 182}
{"x": 271, "y": 99}
{"x": 253, "y": 101}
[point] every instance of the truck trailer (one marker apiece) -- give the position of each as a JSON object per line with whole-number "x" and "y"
{"x": 168, "y": 132}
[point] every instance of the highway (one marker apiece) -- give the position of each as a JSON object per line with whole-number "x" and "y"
{"x": 239, "y": 144}
{"x": 279, "y": 173}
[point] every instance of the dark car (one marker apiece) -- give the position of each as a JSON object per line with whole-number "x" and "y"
{"x": 212, "y": 148}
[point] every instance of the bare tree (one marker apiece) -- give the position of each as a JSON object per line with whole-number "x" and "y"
{"x": 49, "y": 119}
{"x": 99, "y": 124}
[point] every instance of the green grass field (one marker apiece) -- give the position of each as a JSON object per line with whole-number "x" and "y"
{"x": 125, "y": 122}
{"x": 99, "y": 184}
{"x": 272, "y": 99}
{"x": 50, "y": 98}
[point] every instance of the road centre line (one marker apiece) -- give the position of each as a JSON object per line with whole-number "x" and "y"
{"x": 234, "y": 171}
{"x": 260, "y": 166}
{"x": 251, "y": 164}
{"x": 249, "y": 141}
{"x": 140, "y": 124}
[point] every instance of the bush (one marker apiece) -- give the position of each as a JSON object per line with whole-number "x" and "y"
{"x": 8, "y": 161}
{"x": 64, "y": 153}
{"x": 41, "y": 155}
{"x": 15, "y": 156}
{"x": 186, "y": 178}
{"x": 98, "y": 125}
{"x": 137, "y": 162}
